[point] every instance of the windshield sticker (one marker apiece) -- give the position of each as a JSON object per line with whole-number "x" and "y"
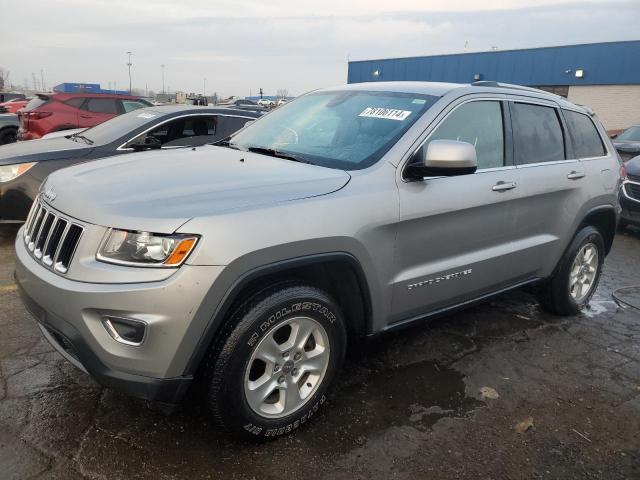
{"x": 419, "y": 101}
{"x": 146, "y": 115}
{"x": 387, "y": 113}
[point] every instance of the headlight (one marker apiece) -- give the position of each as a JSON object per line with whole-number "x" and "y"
{"x": 9, "y": 172}
{"x": 145, "y": 249}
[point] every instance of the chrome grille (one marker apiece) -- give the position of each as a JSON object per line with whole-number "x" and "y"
{"x": 632, "y": 190}
{"x": 51, "y": 238}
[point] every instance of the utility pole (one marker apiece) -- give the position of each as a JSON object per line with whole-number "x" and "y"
{"x": 204, "y": 87}
{"x": 162, "y": 67}
{"x": 129, "y": 65}
{"x": 42, "y": 80}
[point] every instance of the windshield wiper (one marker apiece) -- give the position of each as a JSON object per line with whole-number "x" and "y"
{"x": 276, "y": 153}
{"x": 226, "y": 143}
{"x": 88, "y": 141}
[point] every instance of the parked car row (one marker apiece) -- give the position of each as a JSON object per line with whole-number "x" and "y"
{"x": 24, "y": 165}
{"x": 254, "y": 265}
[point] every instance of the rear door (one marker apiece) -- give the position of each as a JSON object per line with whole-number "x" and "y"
{"x": 454, "y": 235}
{"x": 552, "y": 182}
{"x": 96, "y": 110}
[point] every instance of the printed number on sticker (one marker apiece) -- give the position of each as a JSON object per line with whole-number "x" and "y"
{"x": 388, "y": 113}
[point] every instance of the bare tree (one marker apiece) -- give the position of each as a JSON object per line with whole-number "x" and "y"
{"x": 282, "y": 93}
{"x": 4, "y": 78}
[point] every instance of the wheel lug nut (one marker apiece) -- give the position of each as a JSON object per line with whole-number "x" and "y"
{"x": 281, "y": 379}
{"x": 297, "y": 356}
{"x": 276, "y": 368}
{"x": 285, "y": 355}
{"x": 294, "y": 372}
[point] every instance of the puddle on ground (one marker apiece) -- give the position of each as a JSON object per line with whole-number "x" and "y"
{"x": 417, "y": 395}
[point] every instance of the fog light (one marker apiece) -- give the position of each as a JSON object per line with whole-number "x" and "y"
{"x": 125, "y": 330}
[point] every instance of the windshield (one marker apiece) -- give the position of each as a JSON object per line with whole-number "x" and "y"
{"x": 115, "y": 128}
{"x": 631, "y": 134}
{"x": 349, "y": 130}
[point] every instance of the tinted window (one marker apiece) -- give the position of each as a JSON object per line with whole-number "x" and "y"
{"x": 340, "y": 129}
{"x": 75, "y": 102}
{"x": 477, "y": 123}
{"x": 131, "y": 105}
{"x": 101, "y": 105}
{"x": 537, "y": 134}
{"x": 586, "y": 139}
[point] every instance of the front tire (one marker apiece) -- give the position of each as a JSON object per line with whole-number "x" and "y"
{"x": 575, "y": 281}
{"x": 276, "y": 362}
{"x": 8, "y": 135}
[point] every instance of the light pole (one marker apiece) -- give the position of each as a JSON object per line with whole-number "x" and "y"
{"x": 129, "y": 65}
{"x": 204, "y": 87}
{"x": 162, "y": 68}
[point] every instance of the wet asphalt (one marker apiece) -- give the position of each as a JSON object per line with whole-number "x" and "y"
{"x": 563, "y": 403}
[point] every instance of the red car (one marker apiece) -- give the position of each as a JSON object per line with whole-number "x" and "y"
{"x": 47, "y": 113}
{"x": 13, "y": 105}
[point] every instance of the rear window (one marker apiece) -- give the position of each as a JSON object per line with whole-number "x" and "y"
{"x": 75, "y": 102}
{"x": 121, "y": 125}
{"x": 537, "y": 134}
{"x": 584, "y": 135}
{"x": 36, "y": 102}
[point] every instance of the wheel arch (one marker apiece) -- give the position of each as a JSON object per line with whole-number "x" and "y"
{"x": 339, "y": 273}
{"x": 605, "y": 219}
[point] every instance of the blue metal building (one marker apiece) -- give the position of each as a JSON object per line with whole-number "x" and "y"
{"x": 70, "y": 87}
{"x": 605, "y": 76}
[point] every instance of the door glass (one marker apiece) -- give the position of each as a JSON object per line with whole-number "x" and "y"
{"x": 478, "y": 123}
{"x": 586, "y": 139}
{"x": 537, "y": 134}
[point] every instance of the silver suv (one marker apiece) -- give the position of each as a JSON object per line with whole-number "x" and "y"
{"x": 250, "y": 266}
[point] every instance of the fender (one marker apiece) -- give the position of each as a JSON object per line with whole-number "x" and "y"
{"x": 216, "y": 320}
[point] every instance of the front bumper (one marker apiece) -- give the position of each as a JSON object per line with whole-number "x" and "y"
{"x": 69, "y": 313}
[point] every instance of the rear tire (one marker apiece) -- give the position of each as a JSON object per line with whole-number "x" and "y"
{"x": 276, "y": 361}
{"x": 576, "y": 278}
{"x": 9, "y": 135}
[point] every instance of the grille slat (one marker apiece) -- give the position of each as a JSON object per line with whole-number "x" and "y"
{"x": 51, "y": 238}
{"x": 633, "y": 178}
{"x": 633, "y": 190}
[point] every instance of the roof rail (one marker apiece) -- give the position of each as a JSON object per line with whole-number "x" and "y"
{"x": 491, "y": 83}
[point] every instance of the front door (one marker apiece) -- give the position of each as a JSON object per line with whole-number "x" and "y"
{"x": 455, "y": 233}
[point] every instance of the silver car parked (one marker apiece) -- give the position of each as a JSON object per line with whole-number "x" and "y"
{"x": 252, "y": 265}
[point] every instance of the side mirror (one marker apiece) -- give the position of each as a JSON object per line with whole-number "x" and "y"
{"x": 443, "y": 158}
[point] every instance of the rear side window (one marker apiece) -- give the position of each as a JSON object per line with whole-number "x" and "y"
{"x": 75, "y": 102}
{"x": 101, "y": 105}
{"x": 584, "y": 135}
{"x": 537, "y": 134}
{"x": 480, "y": 124}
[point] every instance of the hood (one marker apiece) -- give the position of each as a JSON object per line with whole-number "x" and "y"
{"x": 39, "y": 150}
{"x": 633, "y": 166}
{"x": 626, "y": 145}
{"x": 159, "y": 191}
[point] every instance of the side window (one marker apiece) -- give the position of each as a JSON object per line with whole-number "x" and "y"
{"x": 480, "y": 124}
{"x": 75, "y": 102}
{"x": 101, "y": 105}
{"x": 584, "y": 135}
{"x": 230, "y": 125}
{"x": 131, "y": 105}
{"x": 537, "y": 134}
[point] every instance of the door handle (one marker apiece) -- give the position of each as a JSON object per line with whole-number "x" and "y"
{"x": 575, "y": 175}
{"x": 85, "y": 116}
{"x": 503, "y": 186}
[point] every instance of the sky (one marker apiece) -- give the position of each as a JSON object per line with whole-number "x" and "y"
{"x": 240, "y": 46}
